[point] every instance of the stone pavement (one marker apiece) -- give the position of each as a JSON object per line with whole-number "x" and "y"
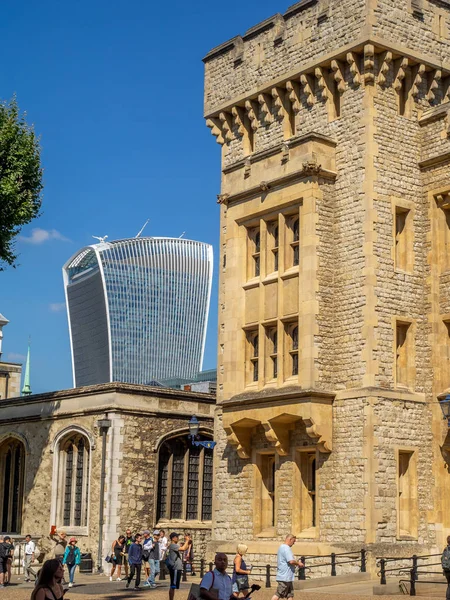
{"x": 91, "y": 587}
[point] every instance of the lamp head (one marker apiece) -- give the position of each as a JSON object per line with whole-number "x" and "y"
{"x": 194, "y": 426}
{"x": 445, "y": 407}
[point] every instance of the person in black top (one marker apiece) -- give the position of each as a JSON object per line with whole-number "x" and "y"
{"x": 117, "y": 554}
{"x": 6, "y": 549}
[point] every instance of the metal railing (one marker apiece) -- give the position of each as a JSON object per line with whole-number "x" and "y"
{"x": 268, "y": 572}
{"x": 416, "y": 565}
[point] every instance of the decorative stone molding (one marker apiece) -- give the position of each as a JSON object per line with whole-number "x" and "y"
{"x": 247, "y": 168}
{"x": 293, "y": 90}
{"x": 353, "y": 61}
{"x": 279, "y": 30}
{"x": 420, "y": 71}
{"x": 369, "y": 64}
{"x": 264, "y": 186}
{"x": 385, "y": 66}
{"x": 238, "y": 51}
{"x": 307, "y": 83}
{"x": 278, "y": 432}
{"x": 222, "y": 198}
{"x": 239, "y": 435}
{"x": 311, "y": 167}
{"x": 443, "y": 199}
{"x": 284, "y": 152}
{"x": 265, "y": 113}
{"x": 338, "y": 71}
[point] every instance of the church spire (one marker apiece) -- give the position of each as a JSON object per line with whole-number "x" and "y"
{"x": 26, "y": 390}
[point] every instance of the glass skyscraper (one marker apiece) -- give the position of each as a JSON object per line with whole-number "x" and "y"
{"x": 138, "y": 309}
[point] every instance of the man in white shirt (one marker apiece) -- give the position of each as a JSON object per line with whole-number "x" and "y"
{"x": 216, "y": 584}
{"x": 30, "y": 548}
{"x": 286, "y": 563}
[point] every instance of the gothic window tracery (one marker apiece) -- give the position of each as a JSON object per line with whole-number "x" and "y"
{"x": 73, "y": 469}
{"x": 12, "y": 464}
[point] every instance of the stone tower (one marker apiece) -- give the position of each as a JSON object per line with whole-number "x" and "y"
{"x": 334, "y": 309}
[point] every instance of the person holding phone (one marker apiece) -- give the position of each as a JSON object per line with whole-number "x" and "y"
{"x": 48, "y": 586}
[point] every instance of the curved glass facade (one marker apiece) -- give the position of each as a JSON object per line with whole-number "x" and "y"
{"x": 138, "y": 309}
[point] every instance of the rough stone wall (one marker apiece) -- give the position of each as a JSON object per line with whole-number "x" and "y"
{"x": 38, "y": 485}
{"x": 263, "y": 60}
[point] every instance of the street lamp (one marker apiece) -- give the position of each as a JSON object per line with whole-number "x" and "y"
{"x": 445, "y": 407}
{"x": 194, "y": 427}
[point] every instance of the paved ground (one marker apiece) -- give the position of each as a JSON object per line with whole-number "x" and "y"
{"x": 91, "y": 587}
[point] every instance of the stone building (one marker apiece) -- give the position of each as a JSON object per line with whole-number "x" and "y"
{"x": 10, "y": 373}
{"x": 334, "y": 308}
{"x": 51, "y": 451}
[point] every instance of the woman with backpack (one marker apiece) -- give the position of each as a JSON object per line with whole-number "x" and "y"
{"x": 72, "y": 558}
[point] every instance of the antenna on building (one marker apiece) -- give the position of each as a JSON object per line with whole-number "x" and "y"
{"x": 142, "y": 228}
{"x": 102, "y": 240}
{"x": 182, "y": 235}
{"x": 26, "y": 390}
{"x": 3, "y": 321}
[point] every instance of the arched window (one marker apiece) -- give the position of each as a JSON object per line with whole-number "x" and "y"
{"x": 73, "y": 481}
{"x": 185, "y": 481}
{"x": 12, "y": 463}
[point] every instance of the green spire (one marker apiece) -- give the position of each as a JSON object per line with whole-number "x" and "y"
{"x": 26, "y": 390}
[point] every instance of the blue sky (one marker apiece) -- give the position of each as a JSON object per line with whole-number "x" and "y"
{"x": 115, "y": 90}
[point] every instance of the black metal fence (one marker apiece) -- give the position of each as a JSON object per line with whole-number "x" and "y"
{"x": 413, "y": 566}
{"x": 268, "y": 572}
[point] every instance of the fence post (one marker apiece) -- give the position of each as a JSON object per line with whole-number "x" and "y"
{"x": 363, "y": 561}
{"x": 412, "y": 589}
{"x": 267, "y": 576}
{"x": 333, "y": 564}
{"x": 210, "y": 566}
{"x": 202, "y": 567}
{"x": 382, "y": 571}
{"x": 414, "y": 566}
{"x": 184, "y": 576}
{"x": 302, "y": 570}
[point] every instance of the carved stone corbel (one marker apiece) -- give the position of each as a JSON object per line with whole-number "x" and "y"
{"x": 239, "y": 435}
{"x": 265, "y": 113}
{"x": 307, "y": 83}
{"x": 434, "y": 81}
{"x": 239, "y": 114}
{"x": 215, "y": 126}
{"x": 338, "y": 74}
{"x": 284, "y": 152}
{"x": 443, "y": 200}
{"x": 226, "y": 120}
{"x": 293, "y": 90}
{"x": 252, "y": 112}
{"x": 321, "y": 83}
{"x": 278, "y": 433}
{"x": 420, "y": 71}
{"x": 369, "y": 64}
{"x": 278, "y": 108}
{"x": 247, "y": 168}
{"x": 314, "y": 432}
{"x": 353, "y": 61}
{"x": 401, "y": 65}
{"x": 264, "y": 186}
{"x": 385, "y": 65}
{"x": 311, "y": 167}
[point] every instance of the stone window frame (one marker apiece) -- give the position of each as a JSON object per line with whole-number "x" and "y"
{"x": 261, "y": 529}
{"x": 59, "y": 476}
{"x": 410, "y": 351}
{"x": 272, "y": 351}
{"x": 252, "y": 360}
{"x": 407, "y": 207}
{"x": 290, "y": 324}
{"x": 164, "y": 520}
{"x": 13, "y": 439}
{"x": 301, "y": 525}
{"x": 412, "y": 532}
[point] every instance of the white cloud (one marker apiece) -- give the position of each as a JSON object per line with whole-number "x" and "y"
{"x": 15, "y": 357}
{"x": 57, "y": 306}
{"x": 39, "y": 236}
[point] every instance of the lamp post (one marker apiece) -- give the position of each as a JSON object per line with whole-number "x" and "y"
{"x": 194, "y": 427}
{"x": 445, "y": 407}
{"x": 103, "y": 425}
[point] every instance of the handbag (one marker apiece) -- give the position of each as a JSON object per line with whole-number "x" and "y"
{"x": 194, "y": 592}
{"x": 108, "y": 559}
{"x": 242, "y": 582}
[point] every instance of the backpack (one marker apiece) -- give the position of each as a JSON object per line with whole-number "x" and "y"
{"x": 3, "y": 552}
{"x": 445, "y": 559}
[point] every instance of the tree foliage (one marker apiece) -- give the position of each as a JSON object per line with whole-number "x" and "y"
{"x": 20, "y": 178}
